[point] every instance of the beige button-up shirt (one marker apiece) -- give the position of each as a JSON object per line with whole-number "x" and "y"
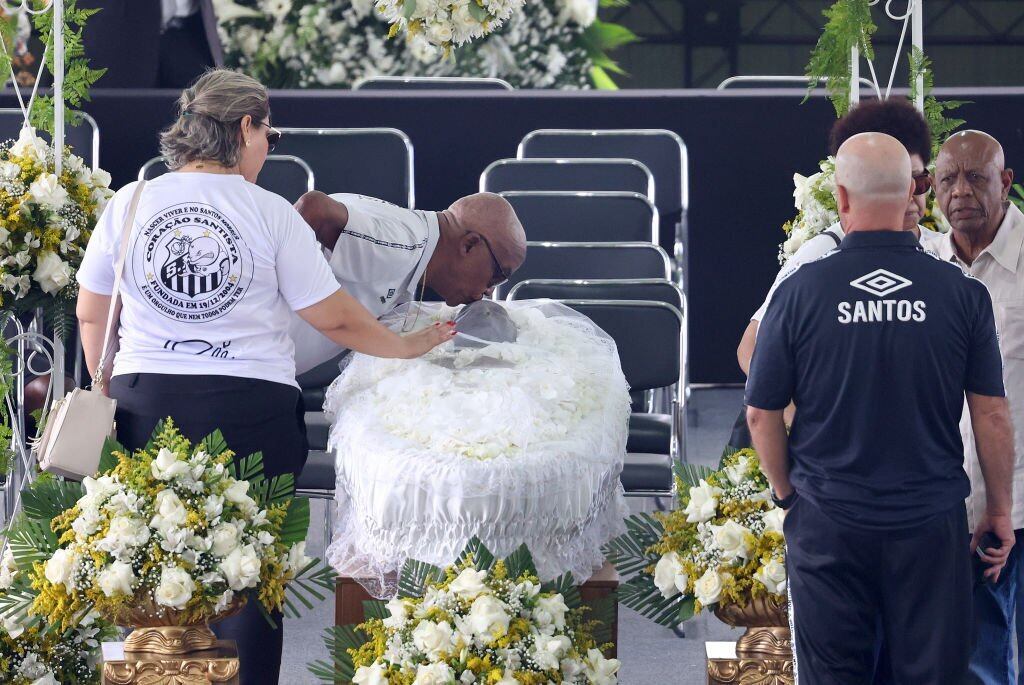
{"x": 1000, "y": 266}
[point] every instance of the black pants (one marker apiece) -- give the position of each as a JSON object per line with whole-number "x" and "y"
{"x": 254, "y": 416}
{"x": 847, "y": 585}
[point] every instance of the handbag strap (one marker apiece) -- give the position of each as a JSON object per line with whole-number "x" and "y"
{"x": 114, "y": 312}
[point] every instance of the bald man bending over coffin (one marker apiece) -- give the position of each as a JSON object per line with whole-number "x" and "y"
{"x": 877, "y": 344}
{"x": 385, "y": 255}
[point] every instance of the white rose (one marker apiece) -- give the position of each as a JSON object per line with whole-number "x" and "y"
{"x": 773, "y": 576}
{"x": 52, "y": 273}
{"x": 703, "y": 503}
{"x": 773, "y": 519}
{"x": 487, "y": 617}
{"x": 100, "y": 179}
{"x": 241, "y": 568}
{"x": 9, "y": 170}
{"x": 47, "y": 191}
{"x": 126, "y": 531}
{"x": 237, "y": 494}
{"x": 170, "y": 511}
{"x": 175, "y": 588}
{"x": 433, "y": 674}
{"x": 737, "y": 473}
{"x": 117, "y": 579}
{"x": 548, "y": 651}
{"x": 30, "y": 145}
{"x": 550, "y": 611}
{"x": 167, "y": 465}
{"x": 601, "y": 671}
{"x": 433, "y": 639}
{"x": 399, "y": 614}
{"x": 60, "y": 567}
{"x": 708, "y": 588}
{"x": 731, "y": 538}
{"x": 225, "y": 539}
{"x": 12, "y": 627}
{"x": 469, "y": 584}
{"x": 669, "y": 576}
{"x": 86, "y": 523}
{"x": 375, "y": 674}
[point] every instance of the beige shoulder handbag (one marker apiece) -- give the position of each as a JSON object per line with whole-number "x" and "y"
{"x": 78, "y": 424}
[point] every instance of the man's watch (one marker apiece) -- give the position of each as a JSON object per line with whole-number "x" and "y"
{"x": 785, "y": 502}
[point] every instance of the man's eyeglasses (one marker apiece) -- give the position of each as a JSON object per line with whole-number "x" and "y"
{"x": 273, "y": 136}
{"x": 500, "y": 277}
{"x": 922, "y": 183}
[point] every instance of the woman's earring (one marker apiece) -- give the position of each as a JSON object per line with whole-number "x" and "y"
{"x": 248, "y": 143}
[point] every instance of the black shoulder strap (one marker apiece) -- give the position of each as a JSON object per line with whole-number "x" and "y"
{"x": 833, "y": 236}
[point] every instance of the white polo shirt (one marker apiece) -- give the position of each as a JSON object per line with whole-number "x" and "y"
{"x": 1000, "y": 267}
{"x": 818, "y": 247}
{"x": 379, "y": 260}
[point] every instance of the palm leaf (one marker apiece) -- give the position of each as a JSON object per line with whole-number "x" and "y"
{"x": 415, "y": 576}
{"x": 692, "y": 474}
{"x": 603, "y": 612}
{"x": 375, "y": 608}
{"x": 107, "y": 459}
{"x": 160, "y": 426}
{"x": 641, "y": 595}
{"x": 31, "y": 541}
{"x": 296, "y": 522}
{"x": 628, "y": 552}
{"x": 338, "y": 640}
{"x": 15, "y": 601}
{"x": 214, "y": 444}
{"x": 483, "y": 560}
{"x": 565, "y": 586}
{"x": 47, "y": 498}
{"x": 276, "y": 490}
{"x": 520, "y": 563}
{"x": 248, "y": 468}
{"x": 308, "y": 583}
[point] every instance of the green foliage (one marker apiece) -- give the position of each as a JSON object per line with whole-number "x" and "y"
{"x": 415, "y": 577}
{"x": 482, "y": 558}
{"x": 6, "y": 388}
{"x": 1018, "y": 199}
{"x": 934, "y": 110}
{"x": 309, "y": 582}
{"x": 849, "y": 25}
{"x": 629, "y": 553}
{"x": 46, "y": 498}
{"x": 339, "y": 639}
{"x": 78, "y": 76}
{"x": 296, "y": 521}
{"x": 598, "y": 40}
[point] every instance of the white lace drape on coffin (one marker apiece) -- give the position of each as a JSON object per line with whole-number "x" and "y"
{"x": 514, "y": 443}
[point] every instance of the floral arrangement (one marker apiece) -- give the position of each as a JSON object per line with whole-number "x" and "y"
{"x": 336, "y": 43}
{"x": 722, "y": 545}
{"x": 47, "y": 221}
{"x": 446, "y": 24}
{"x": 179, "y": 528}
{"x": 479, "y": 621}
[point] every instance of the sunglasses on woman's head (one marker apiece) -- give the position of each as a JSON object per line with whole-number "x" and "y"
{"x": 922, "y": 183}
{"x": 273, "y": 136}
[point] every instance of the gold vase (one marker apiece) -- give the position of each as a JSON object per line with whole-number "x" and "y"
{"x": 164, "y": 649}
{"x": 764, "y": 653}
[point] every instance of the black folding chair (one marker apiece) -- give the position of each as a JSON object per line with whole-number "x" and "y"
{"x": 431, "y": 83}
{"x": 84, "y": 139}
{"x": 286, "y": 175}
{"x": 589, "y": 261}
{"x": 593, "y": 216}
{"x": 651, "y": 361}
{"x": 377, "y": 162}
{"x": 661, "y": 150}
{"x": 568, "y": 174}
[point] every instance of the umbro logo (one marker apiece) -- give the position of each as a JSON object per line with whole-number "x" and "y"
{"x": 881, "y": 282}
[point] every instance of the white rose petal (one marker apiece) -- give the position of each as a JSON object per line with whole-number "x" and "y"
{"x": 225, "y": 538}
{"x": 168, "y": 465}
{"x": 47, "y": 191}
{"x": 433, "y": 674}
{"x": 241, "y": 568}
{"x": 487, "y": 617}
{"x": 550, "y": 611}
{"x": 708, "y": 588}
{"x": 469, "y": 584}
{"x": 60, "y": 567}
{"x": 669, "y": 576}
{"x": 433, "y": 639}
{"x": 732, "y": 539}
{"x": 773, "y": 520}
{"x": 399, "y": 614}
{"x": 175, "y": 588}
{"x": 773, "y": 576}
{"x": 52, "y": 273}
{"x": 548, "y": 651}
{"x": 703, "y": 503}
{"x": 375, "y": 674}
{"x": 117, "y": 579}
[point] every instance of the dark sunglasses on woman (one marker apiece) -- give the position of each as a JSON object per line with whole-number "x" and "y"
{"x": 273, "y": 136}
{"x": 922, "y": 182}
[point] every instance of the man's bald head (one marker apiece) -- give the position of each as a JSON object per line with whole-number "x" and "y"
{"x": 972, "y": 183}
{"x": 492, "y": 217}
{"x": 873, "y": 179}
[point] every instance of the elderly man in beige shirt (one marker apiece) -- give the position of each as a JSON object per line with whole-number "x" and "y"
{"x": 972, "y": 186}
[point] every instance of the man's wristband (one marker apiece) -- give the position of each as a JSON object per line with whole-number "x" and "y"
{"x": 785, "y": 502}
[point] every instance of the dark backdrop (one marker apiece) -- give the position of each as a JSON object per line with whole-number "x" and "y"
{"x": 743, "y": 147}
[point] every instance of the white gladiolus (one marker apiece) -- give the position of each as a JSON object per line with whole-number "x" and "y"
{"x": 117, "y": 579}
{"x": 168, "y": 466}
{"x": 487, "y": 617}
{"x": 297, "y": 559}
{"x": 52, "y": 273}
{"x": 60, "y": 567}
{"x": 433, "y": 639}
{"x": 9, "y": 170}
{"x": 46, "y": 191}
{"x": 773, "y": 576}
{"x": 601, "y": 671}
{"x": 549, "y": 650}
{"x": 773, "y": 520}
{"x": 374, "y": 674}
{"x": 433, "y": 674}
{"x": 237, "y": 493}
{"x": 8, "y": 570}
{"x": 708, "y": 588}
{"x": 241, "y": 568}
{"x": 175, "y": 588}
{"x": 737, "y": 473}
{"x": 732, "y": 539}
{"x": 213, "y": 507}
{"x": 469, "y": 584}
{"x": 669, "y": 576}
{"x": 399, "y": 614}
{"x": 703, "y": 502}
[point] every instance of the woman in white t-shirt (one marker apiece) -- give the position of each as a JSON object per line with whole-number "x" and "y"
{"x": 214, "y": 266}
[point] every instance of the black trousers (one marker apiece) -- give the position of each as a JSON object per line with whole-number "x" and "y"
{"x": 254, "y": 416}
{"x": 854, "y": 590}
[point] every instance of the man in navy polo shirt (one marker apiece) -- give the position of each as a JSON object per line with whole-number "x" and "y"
{"x": 877, "y": 343}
